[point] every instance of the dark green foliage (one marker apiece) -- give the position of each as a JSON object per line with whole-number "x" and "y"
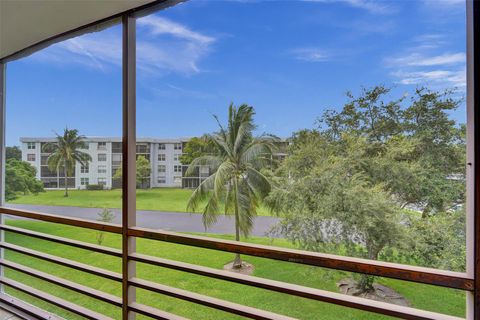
{"x": 198, "y": 147}
{"x": 143, "y": 172}
{"x": 20, "y": 177}
{"x": 95, "y": 187}
{"x": 13, "y": 153}
{"x": 414, "y": 144}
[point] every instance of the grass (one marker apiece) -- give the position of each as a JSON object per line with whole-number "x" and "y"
{"x": 158, "y": 199}
{"x": 426, "y": 297}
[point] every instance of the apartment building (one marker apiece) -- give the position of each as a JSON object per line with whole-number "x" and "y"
{"x": 106, "y": 153}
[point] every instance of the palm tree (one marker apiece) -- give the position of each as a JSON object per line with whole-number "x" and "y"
{"x": 66, "y": 153}
{"x": 236, "y": 183}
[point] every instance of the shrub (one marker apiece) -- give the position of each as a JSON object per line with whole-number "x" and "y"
{"x": 95, "y": 187}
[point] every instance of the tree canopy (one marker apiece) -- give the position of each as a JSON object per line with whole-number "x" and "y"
{"x": 20, "y": 177}
{"x": 143, "y": 171}
{"x": 13, "y": 153}
{"x": 347, "y": 184}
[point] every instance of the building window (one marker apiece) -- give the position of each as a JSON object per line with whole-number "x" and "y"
{"x": 30, "y": 145}
{"x": 177, "y": 146}
{"x": 84, "y": 169}
{"x": 84, "y": 181}
{"x": 31, "y": 157}
{"x": 116, "y": 147}
{"x": 161, "y": 157}
{"x": 177, "y": 180}
{"x": 176, "y": 156}
{"x": 116, "y": 159}
{"x": 161, "y": 146}
{"x": 102, "y": 157}
{"x": 102, "y": 169}
{"x": 162, "y": 179}
{"x": 177, "y": 168}
{"x": 162, "y": 168}
{"x": 44, "y": 160}
{"x": 143, "y": 148}
{"x": 102, "y": 146}
{"x": 102, "y": 181}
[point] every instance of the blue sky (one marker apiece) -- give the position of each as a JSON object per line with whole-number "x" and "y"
{"x": 291, "y": 60}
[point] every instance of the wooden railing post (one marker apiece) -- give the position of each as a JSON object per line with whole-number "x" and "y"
{"x": 128, "y": 163}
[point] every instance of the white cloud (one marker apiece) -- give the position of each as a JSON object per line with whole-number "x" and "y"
{"x": 417, "y": 59}
{"x": 310, "y": 54}
{"x": 372, "y": 6}
{"x": 161, "y": 26}
{"x": 170, "y": 47}
{"x": 445, "y": 2}
{"x": 427, "y": 63}
{"x": 437, "y": 77}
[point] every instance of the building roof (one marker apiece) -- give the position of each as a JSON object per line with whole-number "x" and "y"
{"x": 109, "y": 139}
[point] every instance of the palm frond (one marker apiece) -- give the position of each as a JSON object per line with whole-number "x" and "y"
{"x": 201, "y": 192}
{"x": 212, "y": 162}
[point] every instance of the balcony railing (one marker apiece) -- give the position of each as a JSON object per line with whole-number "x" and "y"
{"x": 435, "y": 277}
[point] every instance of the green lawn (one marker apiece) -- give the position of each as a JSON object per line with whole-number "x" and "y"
{"x": 421, "y": 296}
{"x": 160, "y": 199}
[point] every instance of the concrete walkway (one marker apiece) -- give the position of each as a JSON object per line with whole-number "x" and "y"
{"x": 173, "y": 221}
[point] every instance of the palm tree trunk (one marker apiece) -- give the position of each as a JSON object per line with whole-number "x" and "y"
{"x": 65, "y": 171}
{"x": 237, "y": 262}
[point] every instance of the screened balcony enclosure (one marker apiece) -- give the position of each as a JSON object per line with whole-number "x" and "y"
{"x": 59, "y": 260}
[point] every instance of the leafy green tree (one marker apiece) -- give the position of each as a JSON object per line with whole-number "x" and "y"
{"x": 328, "y": 205}
{"x": 66, "y": 152}
{"x": 367, "y": 115}
{"x": 236, "y": 186}
{"x": 197, "y": 147}
{"x": 437, "y": 242}
{"x": 143, "y": 171}
{"x": 20, "y": 177}
{"x": 413, "y": 146}
{"x": 13, "y": 153}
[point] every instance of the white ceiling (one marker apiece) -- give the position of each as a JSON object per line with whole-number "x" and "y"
{"x": 27, "y": 22}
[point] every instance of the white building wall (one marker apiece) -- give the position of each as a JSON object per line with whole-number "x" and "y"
{"x": 172, "y": 178}
{"x": 36, "y": 152}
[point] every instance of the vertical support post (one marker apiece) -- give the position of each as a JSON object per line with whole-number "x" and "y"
{"x": 128, "y": 162}
{"x": 470, "y": 183}
{"x": 3, "y": 76}
{"x": 473, "y": 187}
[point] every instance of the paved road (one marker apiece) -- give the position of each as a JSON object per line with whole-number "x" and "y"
{"x": 173, "y": 221}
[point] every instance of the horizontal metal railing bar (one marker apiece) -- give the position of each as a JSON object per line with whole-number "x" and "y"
{"x": 443, "y": 278}
{"x": 153, "y": 312}
{"x": 64, "y": 304}
{"x": 65, "y": 241}
{"x": 76, "y": 222}
{"x": 93, "y": 293}
{"x": 64, "y": 262}
{"x": 456, "y": 280}
{"x": 293, "y": 289}
{"x": 211, "y": 302}
{"x": 24, "y": 310}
